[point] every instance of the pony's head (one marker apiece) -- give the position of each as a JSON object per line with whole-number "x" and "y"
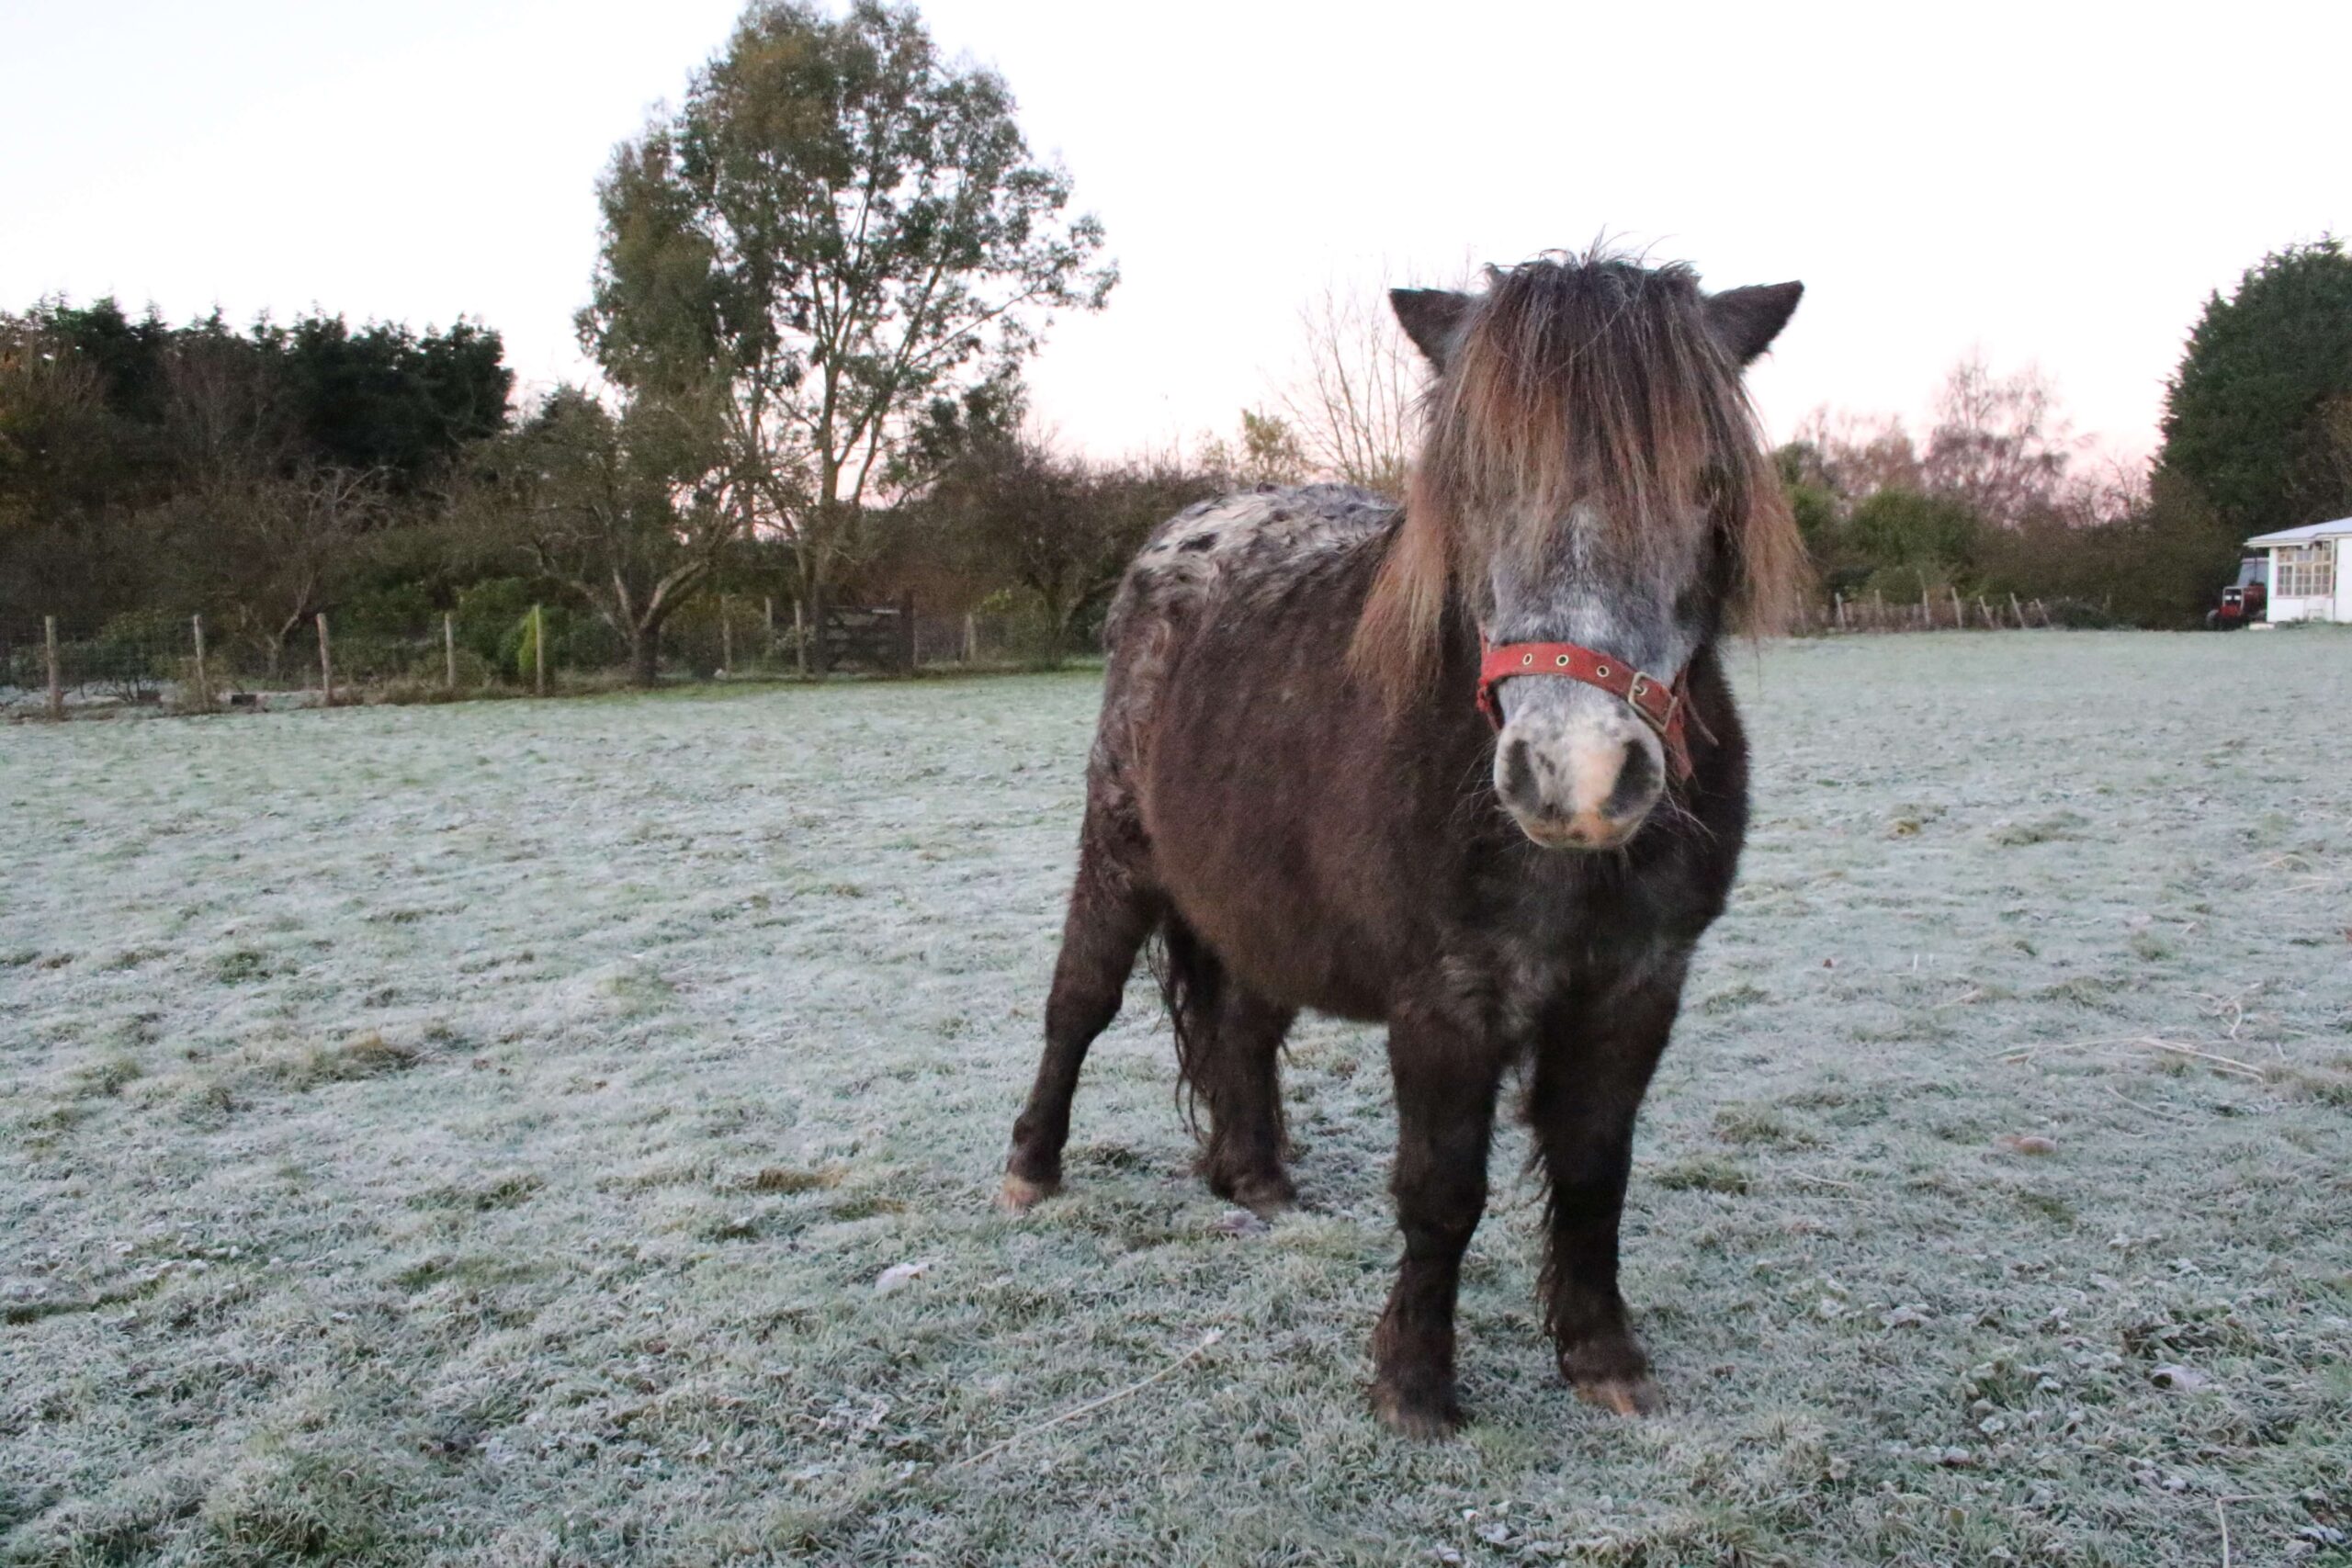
{"x": 1591, "y": 473}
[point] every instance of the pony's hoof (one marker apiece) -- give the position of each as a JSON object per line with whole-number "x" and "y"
{"x": 1019, "y": 1194}
{"x": 1268, "y": 1197}
{"x": 1625, "y": 1396}
{"x": 1423, "y": 1415}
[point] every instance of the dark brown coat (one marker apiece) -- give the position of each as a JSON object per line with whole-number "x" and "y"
{"x": 1306, "y": 829}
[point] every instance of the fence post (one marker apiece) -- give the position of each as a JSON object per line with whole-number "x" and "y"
{"x": 1959, "y": 615}
{"x": 799, "y": 638}
{"x": 2015, "y": 609}
{"x": 326, "y": 664}
{"x": 56, "y": 685}
{"x": 538, "y": 653}
{"x": 203, "y": 680}
{"x": 1841, "y": 611}
{"x": 907, "y": 632}
{"x": 725, "y": 637}
{"x": 450, "y": 648}
{"x": 767, "y": 649}
{"x": 971, "y": 639}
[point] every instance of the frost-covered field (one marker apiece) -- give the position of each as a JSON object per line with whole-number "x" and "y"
{"x": 475, "y": 1134}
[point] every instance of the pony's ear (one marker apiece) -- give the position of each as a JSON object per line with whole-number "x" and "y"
{"x": 1429, "y": 316}
{"x": 1746, "y": 321}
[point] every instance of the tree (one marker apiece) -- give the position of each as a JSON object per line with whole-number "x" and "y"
{"x": 1929, "y": 539}
{"x": 1268, "y": 452}
{"x": 1999, "y": 446}
{"x": 59, "y": 477}
{"x": 386, "y": 398}
{"x": 838, "y": 228}
{"x": 275, "y": 545}
{"x": 1353, "y": 407}
{"x": 1851, "y": 458}
{"x": 2250, "y": 416}
{"x": 149, "y": 466}
{"x": 1059, "y": 528}
{"x": 620, "y": 508}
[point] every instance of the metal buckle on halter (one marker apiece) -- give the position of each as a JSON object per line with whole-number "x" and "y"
{"x": 1642, "y": 687}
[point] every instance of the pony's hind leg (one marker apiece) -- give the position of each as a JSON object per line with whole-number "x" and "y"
{"x": 1110, "y": 916}
{"x": 1238, "y": 1070}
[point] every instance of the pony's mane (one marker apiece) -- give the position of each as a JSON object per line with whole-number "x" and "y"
{"x": 1588, "y": 381}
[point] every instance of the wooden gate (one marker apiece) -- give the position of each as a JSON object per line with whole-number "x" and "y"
{"x": 869, "y": 637}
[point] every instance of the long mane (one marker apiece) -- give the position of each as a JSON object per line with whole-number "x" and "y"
{"x": 1588, "y": 382}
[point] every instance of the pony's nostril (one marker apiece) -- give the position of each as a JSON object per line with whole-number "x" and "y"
{"x": 1637, "y": 782}
{"x": 1519, "y": 786}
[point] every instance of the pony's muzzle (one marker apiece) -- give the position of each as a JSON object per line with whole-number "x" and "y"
{"x": 1591, "y": 789}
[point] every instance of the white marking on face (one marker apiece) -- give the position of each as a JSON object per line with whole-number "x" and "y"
{"x": 1565, "y": 746}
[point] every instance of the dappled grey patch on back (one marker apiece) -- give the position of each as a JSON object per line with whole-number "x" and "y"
{"x": 1250, "y": 548}
{"x": 1259, "y": 543}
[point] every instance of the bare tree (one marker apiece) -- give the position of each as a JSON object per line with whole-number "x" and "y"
{"x": 1854, "y": 457}
{"x": 222, "y": 414}
{"x": 1999, "y": 443}
{"x": 1353, "y": 405}
{"x": 2102, "y": 490}
{"x": 1060, "y": 528}
{"x": 279, "y": 541}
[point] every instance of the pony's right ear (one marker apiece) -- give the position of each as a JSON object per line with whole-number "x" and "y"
{"x": 1746, "y": 321}
{"x": 1431, "y": 317}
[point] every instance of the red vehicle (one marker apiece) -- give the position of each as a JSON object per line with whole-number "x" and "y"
{"x": 2242, "y": 601}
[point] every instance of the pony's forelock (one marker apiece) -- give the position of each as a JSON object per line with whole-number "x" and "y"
{"x": 1582, "y": 381}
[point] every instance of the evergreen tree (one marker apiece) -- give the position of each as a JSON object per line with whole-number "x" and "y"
{"x": 2259, "y": 418}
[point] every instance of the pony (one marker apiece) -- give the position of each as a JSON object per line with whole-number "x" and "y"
{"x": 1468, "y": 767}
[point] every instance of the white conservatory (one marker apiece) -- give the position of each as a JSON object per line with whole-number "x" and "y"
{"x": 2311, "y": 580}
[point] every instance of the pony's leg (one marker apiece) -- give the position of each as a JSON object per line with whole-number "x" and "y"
{"x": 1591, "y": 1071}
{"x": 1238, "y": 1071}
{"x": 1446, "y": 1079}
{"x": 1110, "y": 916}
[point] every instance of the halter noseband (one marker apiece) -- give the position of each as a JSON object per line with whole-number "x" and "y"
{"x": 1659, "y": 703}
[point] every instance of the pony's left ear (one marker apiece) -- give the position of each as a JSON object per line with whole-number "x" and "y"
{"x": 1746, "y": 321}
{"x": 1429, "y": 316}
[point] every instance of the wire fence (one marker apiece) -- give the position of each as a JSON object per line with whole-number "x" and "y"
{"x": 183, "y": 664}
{"x": 186, "y": 664}
{"x": 1944, "y": 610}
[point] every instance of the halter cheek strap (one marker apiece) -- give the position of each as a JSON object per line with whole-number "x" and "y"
{"x": 1659, "y": 703}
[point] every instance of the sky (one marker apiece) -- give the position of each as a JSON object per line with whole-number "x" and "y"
{"x": 2050, "y": 185}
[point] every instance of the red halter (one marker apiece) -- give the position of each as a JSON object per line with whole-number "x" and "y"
{"x": 1659, "y": 703}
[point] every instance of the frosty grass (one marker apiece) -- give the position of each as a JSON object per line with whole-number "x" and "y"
{"x": 564, "y": 1132}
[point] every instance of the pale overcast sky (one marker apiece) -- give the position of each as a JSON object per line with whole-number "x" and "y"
{"x": 2055, "y": 183}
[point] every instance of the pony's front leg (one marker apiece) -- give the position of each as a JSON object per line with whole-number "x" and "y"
{"x": 1591, "y": 1070}
{"x": 1445, "y": 1082}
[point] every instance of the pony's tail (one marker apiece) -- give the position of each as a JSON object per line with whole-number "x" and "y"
{"x": 1191, "y": 983}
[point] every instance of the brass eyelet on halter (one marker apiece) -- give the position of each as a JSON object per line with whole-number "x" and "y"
{"x": 1601, "y": 671}
{"x": 1563, "y": 661}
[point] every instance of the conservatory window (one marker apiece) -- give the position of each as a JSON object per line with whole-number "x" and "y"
{"x": 2307, "y": 571}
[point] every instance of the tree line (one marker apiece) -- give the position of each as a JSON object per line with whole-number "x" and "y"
{"x": 819, "y": 280}
{"x": 1998, "y": 497}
